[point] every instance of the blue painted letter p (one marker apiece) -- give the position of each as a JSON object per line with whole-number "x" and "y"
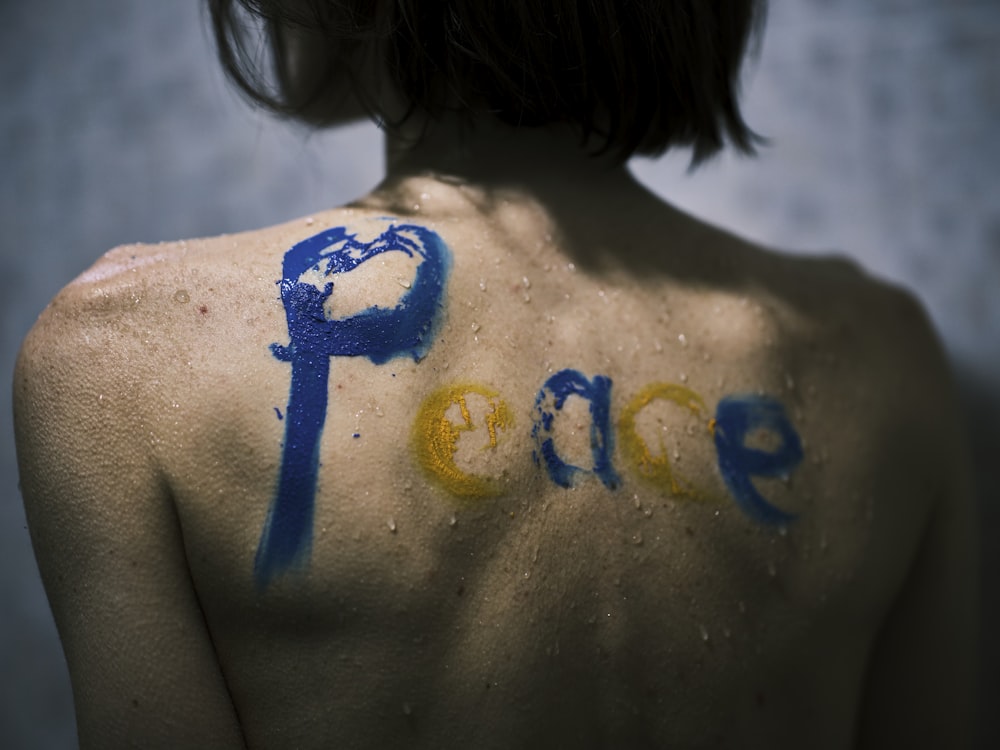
{"x": 377, "y": 333}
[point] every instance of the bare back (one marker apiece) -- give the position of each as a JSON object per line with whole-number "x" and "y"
{"x": 631, "y": 482}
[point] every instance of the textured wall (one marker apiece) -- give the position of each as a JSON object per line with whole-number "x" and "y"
{"x": 116, "y": 128}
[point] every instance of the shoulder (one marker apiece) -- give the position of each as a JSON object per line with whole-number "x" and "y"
{"x": 882, "y": 367}
{"x": 81, "y": 376}
{"x": 879, "y": 319}
{"x": 846, "y": 307}
{"x": 90, "y": 331}
{"x": 102, "y": 518}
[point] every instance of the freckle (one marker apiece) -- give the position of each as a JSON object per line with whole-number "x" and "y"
{"x": 203, "y": 309}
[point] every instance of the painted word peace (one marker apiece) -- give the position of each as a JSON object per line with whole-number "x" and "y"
{"x": 407, "y": 329}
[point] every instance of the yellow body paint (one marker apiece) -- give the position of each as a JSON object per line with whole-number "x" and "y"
{"x": 435, "y": 438}
{"x": 656, "y": 469}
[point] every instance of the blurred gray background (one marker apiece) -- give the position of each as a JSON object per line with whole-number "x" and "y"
{"x": 116, "y": 127}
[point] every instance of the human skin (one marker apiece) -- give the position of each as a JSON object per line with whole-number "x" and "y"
{"x": 533, "y": 615}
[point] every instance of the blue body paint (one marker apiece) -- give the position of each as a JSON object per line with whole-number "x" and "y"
{"x": 735, "y": 418}
{"x": 377, "y": 333}
{"x": 561, "y": 385}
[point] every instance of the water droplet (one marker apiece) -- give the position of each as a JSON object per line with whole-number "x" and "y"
{"x": 453, "y": 521}
{"x": 391, "y": 523}
{"x": 682, "y": 338}
{"x": 424, "y": 196}
{"x": 783, "y": 531}
{"x": 482, "y": 285}
{"x": 637, "y": 539}
{"x": 742, "y": 607}
{"x": 704, "y": 633}
{"x": 525, "y": 282}
{"x": 416, "y": 206}
{"x": 527, "y": 574}
{"x": 310, "y": 221}
{"x": 727, "y": 633}
{"x": 570, "y": 267}
{"x": 684, "y": 377}
{"x": 772, "y": 569}
{"x": 637, "y": 501}
{"x": 405, "y": 283}
{"x": 182, "y": 296}
{"x": 789, "y": 382}
{"x": 407, "y": 709}
{"x": 475, "y": 327}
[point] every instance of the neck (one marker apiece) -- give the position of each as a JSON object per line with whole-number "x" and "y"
{"x": 487, "y": 153}
{"x": 524, "y": 181}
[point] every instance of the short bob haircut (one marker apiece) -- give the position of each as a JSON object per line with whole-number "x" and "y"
{"x": 630, "y": 76}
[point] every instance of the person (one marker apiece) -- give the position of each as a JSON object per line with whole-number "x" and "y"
{"x": 508, "y": 452}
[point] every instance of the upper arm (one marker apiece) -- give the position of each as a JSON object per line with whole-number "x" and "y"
{"x": 921, "y": 684}
{"x": 108, "y": 544}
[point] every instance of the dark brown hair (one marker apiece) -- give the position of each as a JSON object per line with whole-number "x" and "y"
{"x": 632, "y": 76}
